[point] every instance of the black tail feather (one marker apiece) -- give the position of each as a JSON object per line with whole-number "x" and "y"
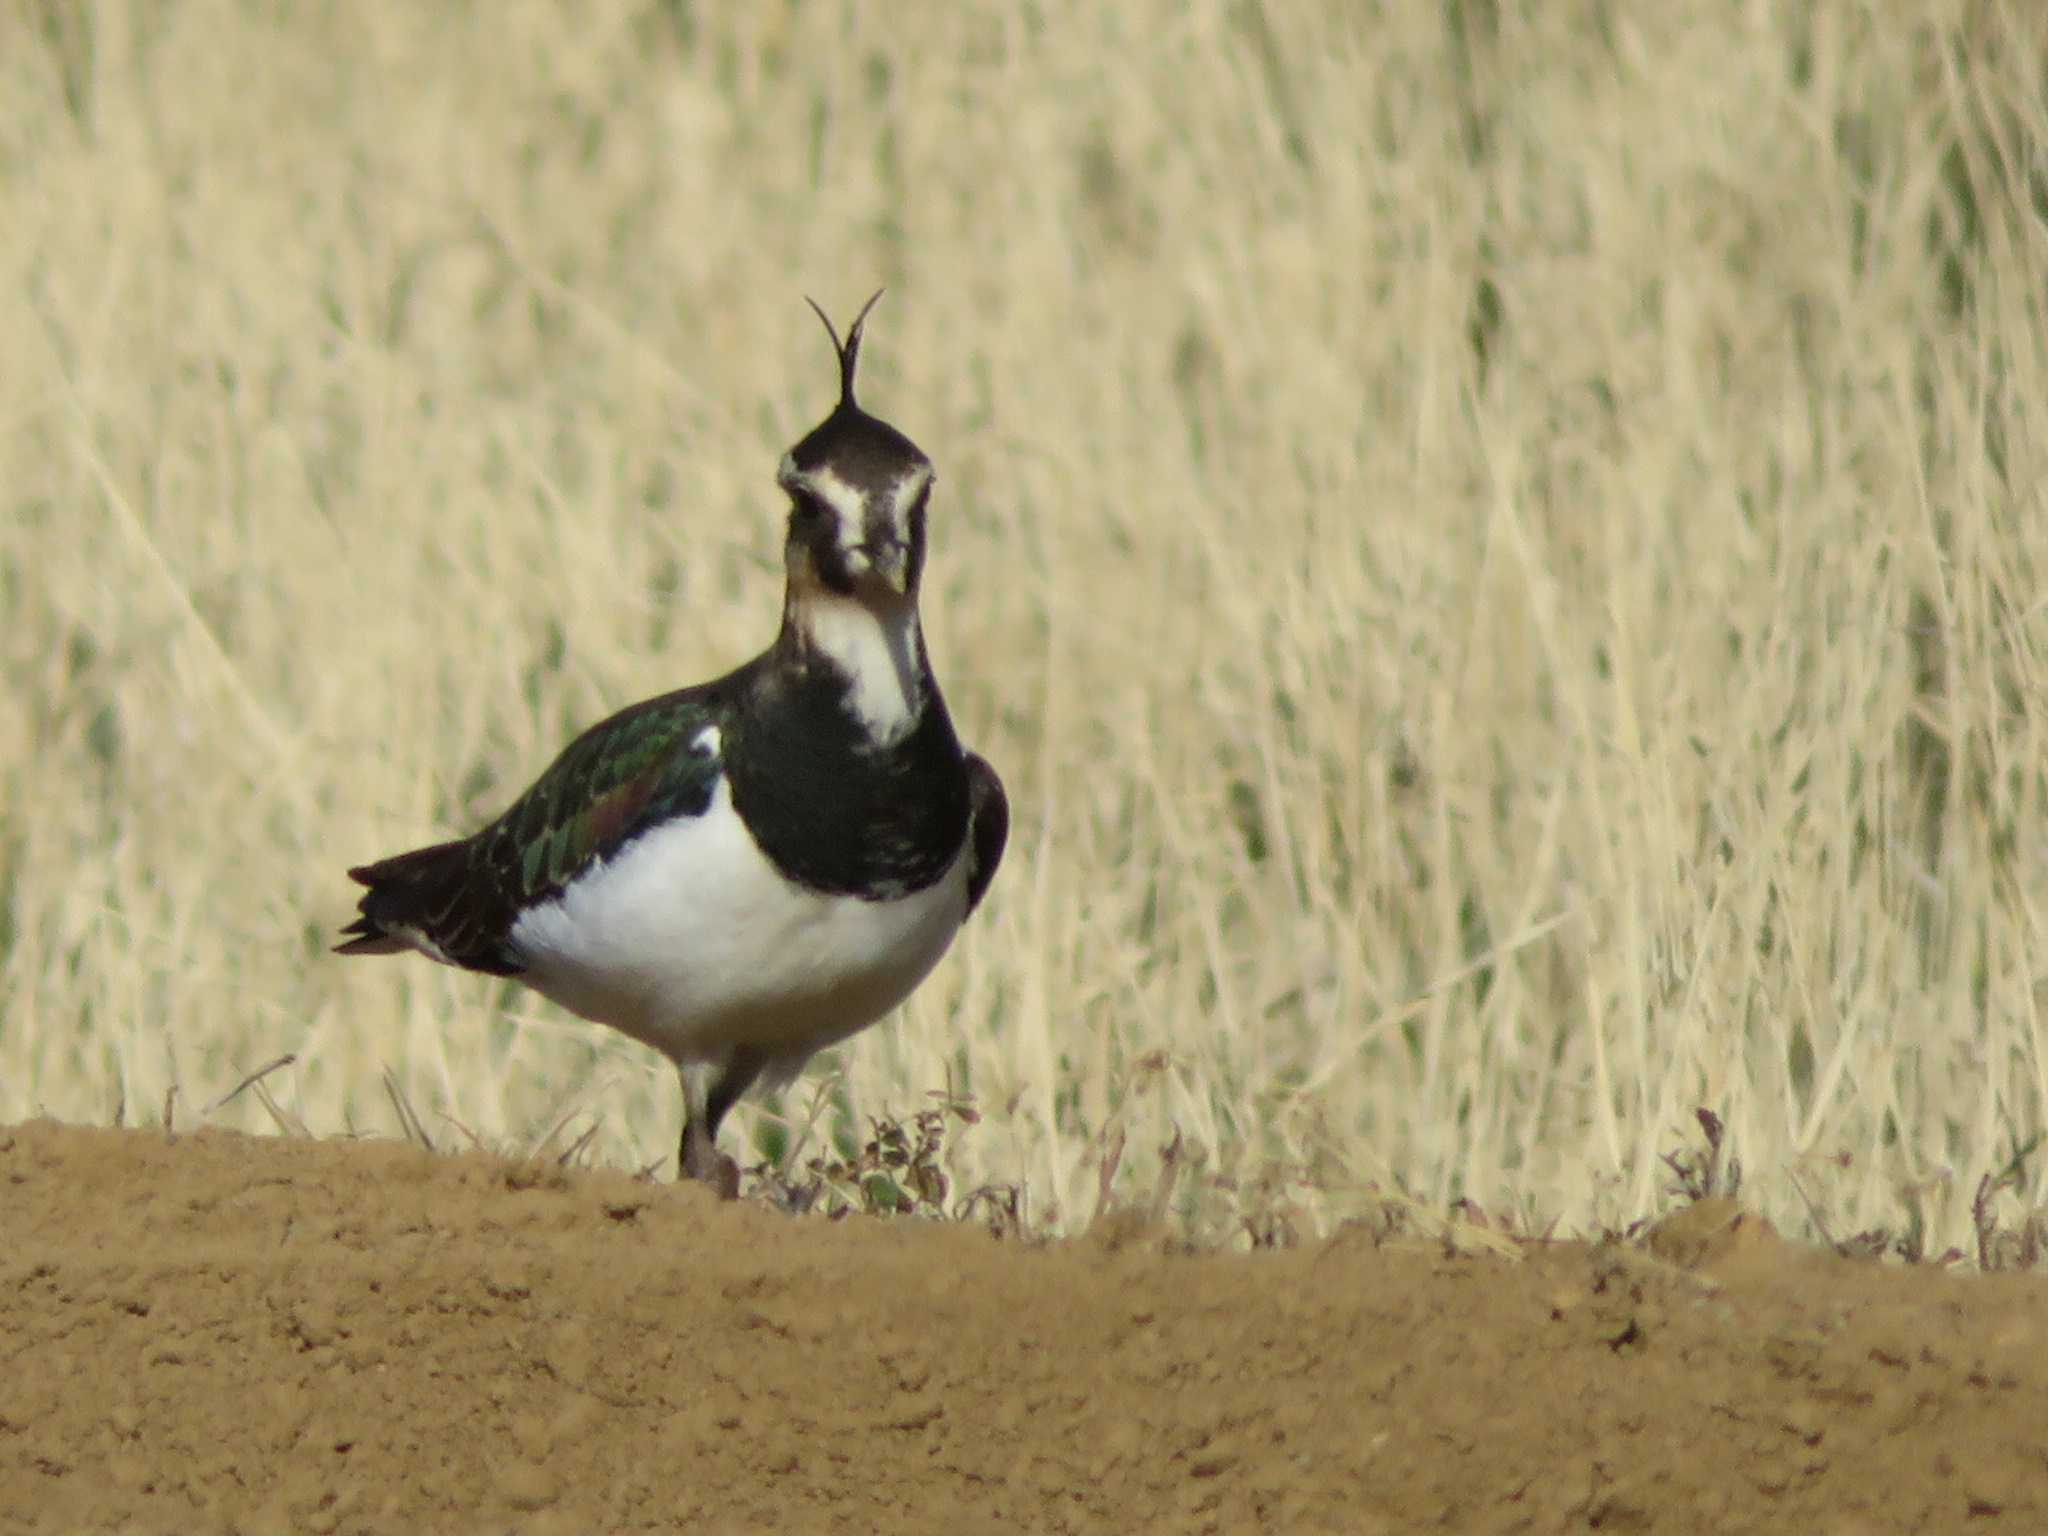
{"x": 419, "y": 867}
{"x": 428, "y": 894}
{"x": 364, "y": 937}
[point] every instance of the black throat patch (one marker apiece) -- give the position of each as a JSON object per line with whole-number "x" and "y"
{"x": 830, "y": 809}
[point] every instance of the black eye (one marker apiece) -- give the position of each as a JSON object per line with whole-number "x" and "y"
{"x": 806, "y": 508}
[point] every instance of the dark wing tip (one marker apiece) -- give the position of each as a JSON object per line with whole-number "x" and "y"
{"x": 365, "y": 936}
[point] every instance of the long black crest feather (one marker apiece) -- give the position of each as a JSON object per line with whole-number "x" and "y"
{"x": 849, "y": 353}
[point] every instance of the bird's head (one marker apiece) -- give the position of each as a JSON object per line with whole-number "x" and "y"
{"x": 857, "y": 492}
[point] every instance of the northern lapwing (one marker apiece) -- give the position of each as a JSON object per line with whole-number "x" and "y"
{"x": 742, "y": 873}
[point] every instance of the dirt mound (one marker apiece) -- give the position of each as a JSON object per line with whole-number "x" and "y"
{"x": 210, "y": 1332}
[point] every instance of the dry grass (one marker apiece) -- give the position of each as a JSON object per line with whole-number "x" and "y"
{"x": 1497, "y": 546}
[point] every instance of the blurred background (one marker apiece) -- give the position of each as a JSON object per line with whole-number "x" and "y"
{"x": 1497, "y": 547}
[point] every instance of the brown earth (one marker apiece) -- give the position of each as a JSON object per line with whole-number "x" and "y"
{"x": 209, "y": 1332}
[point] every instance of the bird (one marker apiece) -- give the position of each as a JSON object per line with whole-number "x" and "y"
{"x": 742, "y": 873}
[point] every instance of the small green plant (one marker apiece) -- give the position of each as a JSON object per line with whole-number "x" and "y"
{"x": 898, "y": 1171}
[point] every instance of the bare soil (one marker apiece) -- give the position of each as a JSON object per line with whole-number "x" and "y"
{"x": 208, "y": 1332}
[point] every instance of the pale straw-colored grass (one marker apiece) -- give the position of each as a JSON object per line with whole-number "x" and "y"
{"x": 1498, "y": 548}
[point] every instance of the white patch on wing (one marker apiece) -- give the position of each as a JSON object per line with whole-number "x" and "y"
{"x": 690, "y": 941}
{"x": 878, "y": 651}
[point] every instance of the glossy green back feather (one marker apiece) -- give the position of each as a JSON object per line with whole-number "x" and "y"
{"x": 643, "y": 766}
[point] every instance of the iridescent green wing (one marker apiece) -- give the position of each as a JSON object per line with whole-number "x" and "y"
{"x": 646, "y": 765}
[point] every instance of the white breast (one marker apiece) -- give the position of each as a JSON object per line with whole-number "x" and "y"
{"x": 690, "y": 941}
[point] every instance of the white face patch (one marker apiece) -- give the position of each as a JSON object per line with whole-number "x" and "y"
{"x": 851, "y": 509}
{"x": 848, "y": 506}
{"x": 904, "y": 496}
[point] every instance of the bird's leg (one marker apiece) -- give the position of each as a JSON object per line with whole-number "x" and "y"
{"x": 704, "y": 1106}
{"x": 701, "y": 1160}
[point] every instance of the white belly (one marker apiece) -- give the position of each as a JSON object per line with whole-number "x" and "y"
{"x": 691, "y": 942}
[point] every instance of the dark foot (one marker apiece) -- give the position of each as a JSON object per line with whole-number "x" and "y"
{"x": 703, "y": 1162}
